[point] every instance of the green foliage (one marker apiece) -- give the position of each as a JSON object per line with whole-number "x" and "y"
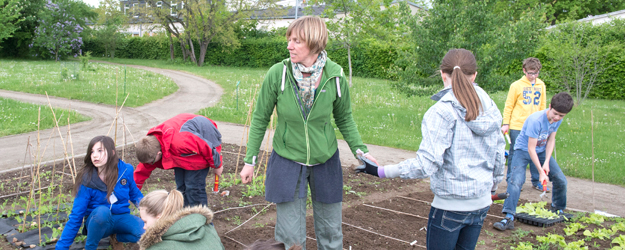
{"x": 601, "y": 233}
{"x": 561, "y": 10}
{"x": 58, "y": 32}
{"x": 9, "y": 18}
{"x": 572, "y": 228}
{"x": 496, "y": 41}
{"x": 370, "y": 58}
{"x": 576, "y": 245}
{"x": 524, "y": 246}
{"x": 552, "y": 239}
{"x": 618, "y": 227}
{"x": 620, "y": 240}
{"x": 18, "y": 117}
{"x": 256, "y": 188}
{"x": 593, "y": 219}
{"x": 84, "y": 60}
{"x": 536, "y": 209}
{"x": 579, "y": 55}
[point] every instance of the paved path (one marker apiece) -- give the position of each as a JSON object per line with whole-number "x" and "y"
{"x": 196, "y": 93}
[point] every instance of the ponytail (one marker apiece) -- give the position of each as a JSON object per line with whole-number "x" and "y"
{"x": 162, "y": 203}
{"x": 460, "y": 64}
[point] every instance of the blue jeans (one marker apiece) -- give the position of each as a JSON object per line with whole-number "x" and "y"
{"x": 101, "y": 223}
{"x": 521, "y": 159}
{"x": 454, "y": 229}
{"x": 533, "y": 171}
{"x": 192, "y": 185}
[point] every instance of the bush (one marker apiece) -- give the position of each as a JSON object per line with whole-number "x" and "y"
{"x": 370, "y": 58}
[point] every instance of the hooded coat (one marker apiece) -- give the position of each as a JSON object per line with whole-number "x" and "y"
{"x": 464, "y": 160}
{"x": 190, "y": 228}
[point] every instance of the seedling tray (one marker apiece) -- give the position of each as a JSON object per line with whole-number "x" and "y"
{"x": 540, "y": 222}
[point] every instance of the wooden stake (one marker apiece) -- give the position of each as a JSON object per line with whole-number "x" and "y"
{"x": 592, "y": 141}
{"x": 71, "y": 144}
{"x": 123, "y": 136}
{"x": 25, "y": 154}
{"x": 116, "y": 95}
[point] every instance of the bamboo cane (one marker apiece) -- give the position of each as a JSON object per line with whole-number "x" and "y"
{"x": 32, "y": 186}
{"x": 62, "y": 140}
{"x": 19, "y": 187}
{"x": 116, "y": 114}
{"x": 71, "y": 144}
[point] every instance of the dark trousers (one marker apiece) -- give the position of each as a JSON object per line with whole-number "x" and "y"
{"x": 192, "y": 185}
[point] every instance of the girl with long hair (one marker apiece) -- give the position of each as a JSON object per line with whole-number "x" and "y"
{"x": 169, "y": 226}
{"x": 462, "y": 152}
{"x": 103, "y": 191}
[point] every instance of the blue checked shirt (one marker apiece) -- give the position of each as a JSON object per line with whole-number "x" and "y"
{"x": 464, "y": 160}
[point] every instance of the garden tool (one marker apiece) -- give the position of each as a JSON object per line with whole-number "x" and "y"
{"x": 216, "y": 187}
{"x": 501, "y": 196}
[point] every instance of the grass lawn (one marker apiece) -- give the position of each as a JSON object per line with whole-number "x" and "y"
{"x": 18, "y": 117}
{"x": 389, "y": 118}
{"x": 97, "y": 84}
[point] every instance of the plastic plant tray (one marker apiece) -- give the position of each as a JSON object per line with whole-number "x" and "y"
{"x": 540, "y": 222}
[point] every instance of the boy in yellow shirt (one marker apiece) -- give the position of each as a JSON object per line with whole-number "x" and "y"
{"x": 526, "y": 96}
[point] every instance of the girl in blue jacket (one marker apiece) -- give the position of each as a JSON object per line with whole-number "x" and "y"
{"x": 103, "y": 189}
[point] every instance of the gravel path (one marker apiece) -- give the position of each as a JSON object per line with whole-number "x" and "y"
{"x": 196, "y": 93}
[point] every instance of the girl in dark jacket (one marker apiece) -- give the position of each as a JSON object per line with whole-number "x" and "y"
{"x": 103, "y": 189}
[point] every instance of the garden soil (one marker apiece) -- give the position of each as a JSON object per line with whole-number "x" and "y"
{"x": 196, "y": 93}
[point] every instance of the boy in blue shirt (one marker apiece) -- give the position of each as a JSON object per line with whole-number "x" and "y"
{"x": 535, "y": 144}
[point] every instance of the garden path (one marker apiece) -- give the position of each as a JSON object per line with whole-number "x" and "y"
{"x": 195, "y": 93}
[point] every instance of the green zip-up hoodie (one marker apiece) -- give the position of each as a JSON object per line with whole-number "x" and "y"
{"x": 310, "y": 141}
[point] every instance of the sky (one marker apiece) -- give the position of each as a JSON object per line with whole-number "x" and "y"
{"x": 93, "y": 3}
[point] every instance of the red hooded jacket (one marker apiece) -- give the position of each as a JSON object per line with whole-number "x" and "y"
{"x": 188, "y": 141}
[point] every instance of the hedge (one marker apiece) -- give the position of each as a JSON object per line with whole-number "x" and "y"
{"x": 370, "y": 58}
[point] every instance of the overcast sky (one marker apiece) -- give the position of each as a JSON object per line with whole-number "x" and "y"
{"x": 93, "y": 3}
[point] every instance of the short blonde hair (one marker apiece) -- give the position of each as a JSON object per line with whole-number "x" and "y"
{"x": 147, "y": 148}
{"x": 161, "y": 202}
{"x": 312, "y": 30}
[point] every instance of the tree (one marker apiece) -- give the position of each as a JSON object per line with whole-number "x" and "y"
{"x": 213, "y": 21}
{"x": 9, "y": 18}
{"x": 560, "y": 10}
{"x": 352, "y": 21}
{"x": 499, "y": 43}
{"x": 578, "y": 56}
{"x": 58, "y": 31}
{"x": 110, "y": 20}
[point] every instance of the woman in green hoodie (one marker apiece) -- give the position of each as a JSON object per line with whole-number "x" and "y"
{"x": 169, "y": 226}
{"x": 306, "y": 90}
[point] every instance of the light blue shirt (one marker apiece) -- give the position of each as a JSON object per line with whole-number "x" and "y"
{"x": 536, "y": 126}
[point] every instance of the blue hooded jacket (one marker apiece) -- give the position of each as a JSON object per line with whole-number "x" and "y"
{"x": 92, "y": 194}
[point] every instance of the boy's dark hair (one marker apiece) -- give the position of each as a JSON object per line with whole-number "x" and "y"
{"x": 562, "y": 102}
{"x": 147, "y": 148}
{"x": 270, "y": 245}
{"x": 532, "y": 63}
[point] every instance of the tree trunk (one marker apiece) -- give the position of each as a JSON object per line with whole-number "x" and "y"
{"x": 203, "y": 46}
{"x": 56, "y": 54}
{"x": 171, "y": 47}
{"x": 192, "y": 50}
{"x": 184, "y": 49}
{"x": 349, "y": 62}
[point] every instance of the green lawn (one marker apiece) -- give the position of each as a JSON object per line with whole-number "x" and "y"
{"x": 389, "y": 118}
{"x": 97, "y": 84}
{"x": 18, "y": 117}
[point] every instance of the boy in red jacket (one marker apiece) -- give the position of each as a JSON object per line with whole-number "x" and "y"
{"x": 188, "y": 143}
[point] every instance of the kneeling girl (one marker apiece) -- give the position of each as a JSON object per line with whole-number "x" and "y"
{"x": 103, "y": 189}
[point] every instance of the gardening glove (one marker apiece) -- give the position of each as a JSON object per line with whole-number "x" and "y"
{"x": 367, "y": 166}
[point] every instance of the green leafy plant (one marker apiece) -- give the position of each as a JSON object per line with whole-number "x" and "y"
{"x": 618, "y": 227}
{"x": 576, "y": 245}
{"x": 620, "y": 240}
{"x": 593, "y": 219}
{"x": 600, "y": 233}
{"x": 537, "y": 209}
{"x": 573, "y": 228}
{"x": 524, "y": 246}
{"x": 552, "y": 239}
